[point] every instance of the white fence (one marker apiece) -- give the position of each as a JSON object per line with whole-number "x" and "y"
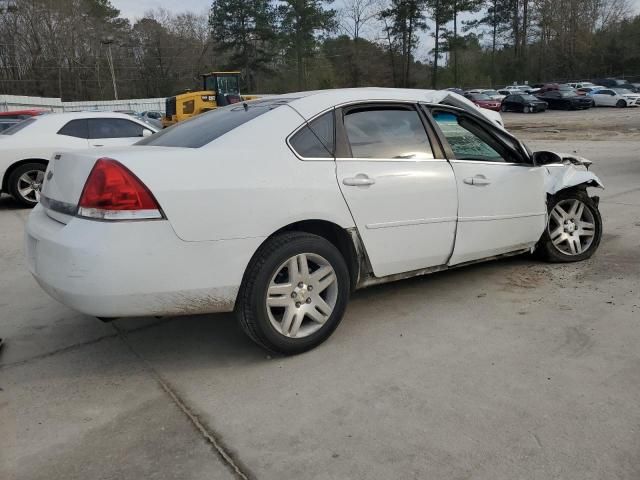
{"x": 17, "y": 102}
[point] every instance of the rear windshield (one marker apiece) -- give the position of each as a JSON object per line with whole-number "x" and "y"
{"x": 205, "y": 128}
{"x": 18, "y": 126}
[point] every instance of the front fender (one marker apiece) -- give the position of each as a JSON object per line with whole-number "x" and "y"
{"x": 561, "y": 177}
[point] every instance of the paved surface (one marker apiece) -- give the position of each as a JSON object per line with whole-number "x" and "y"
{"x": 513, "y": 369}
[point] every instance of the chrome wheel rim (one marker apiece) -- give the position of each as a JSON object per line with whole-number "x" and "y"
{"x": 572, "y": 227}
{"x": 30, "y": 184}
{"x": 302, "y": 293}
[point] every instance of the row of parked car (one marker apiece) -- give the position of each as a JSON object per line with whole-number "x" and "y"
{"x": 560, "y": 96}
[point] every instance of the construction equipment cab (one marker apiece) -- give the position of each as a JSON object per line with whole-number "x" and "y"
{"x": 218, "y": 89}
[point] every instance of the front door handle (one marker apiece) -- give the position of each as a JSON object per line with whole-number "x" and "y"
{"x": 360, "y": 180}
{"x": 478, "y": 180}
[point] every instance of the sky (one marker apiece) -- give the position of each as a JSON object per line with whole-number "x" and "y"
{"x": 136, "y": 8}
{"x": 133, "y": 9}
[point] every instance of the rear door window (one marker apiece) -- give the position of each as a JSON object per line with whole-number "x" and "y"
{"x": 316, "y": 139}
{"x": 75, "y": 128}
{"x": 386, "y": 132}
{"x": 113, "y": 128}
{"x": 206, "y": 127}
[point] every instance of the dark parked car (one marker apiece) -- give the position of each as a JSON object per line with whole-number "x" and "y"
{"x": 565, "y": 100}
{"x": 484, "y": 101}
{"x": 523, "y": 103}
{"x": 548, "y": 87}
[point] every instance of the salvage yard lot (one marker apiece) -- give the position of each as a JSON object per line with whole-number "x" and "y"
{"x": 504, "y": 370}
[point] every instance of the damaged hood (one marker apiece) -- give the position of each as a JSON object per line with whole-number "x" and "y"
{"x": 445, "y": 97}
{"x": 573, "y": 171}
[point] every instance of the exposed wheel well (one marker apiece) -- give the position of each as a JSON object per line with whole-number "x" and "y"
{"x": 7, "y": 174}
{"x": 335, "y": 234}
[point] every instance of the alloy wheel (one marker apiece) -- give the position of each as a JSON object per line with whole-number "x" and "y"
{"x": 571, "y": 227}
{"x": 301, "y": 295}
{"x": 29, "y": 185}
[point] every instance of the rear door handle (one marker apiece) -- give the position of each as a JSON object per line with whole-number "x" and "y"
{"x": 478, "y": 180}
{"x": 360, "y": 180}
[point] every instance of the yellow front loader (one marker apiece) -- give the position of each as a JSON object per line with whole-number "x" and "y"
{"x": 218, "y": 89}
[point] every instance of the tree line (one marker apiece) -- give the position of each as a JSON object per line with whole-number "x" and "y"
{"x": 68, "y": 48}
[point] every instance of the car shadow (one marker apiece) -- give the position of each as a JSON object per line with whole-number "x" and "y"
{"x": 8, "y": 203}
{"x": 215, "y": 340}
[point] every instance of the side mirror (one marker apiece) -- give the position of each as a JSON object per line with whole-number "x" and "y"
{"x": 546, "y": 158}
{"x": 146, "y": 132}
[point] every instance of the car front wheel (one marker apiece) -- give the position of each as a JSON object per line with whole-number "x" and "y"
{"x": 574, "y": 228}
{"x": 25, "y": 183}
{"x": 294, "y": 294}
{"x": 621, "y": 104}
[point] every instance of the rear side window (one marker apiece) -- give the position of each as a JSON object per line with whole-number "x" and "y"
{"x": 75, "y": 128}
{"x": 387, "y": 132}
{"x": 113, "y": 128}
{"x": 316, "y": 139}
{"x": 206, "y": 127}
{"x": 18, "y": 126}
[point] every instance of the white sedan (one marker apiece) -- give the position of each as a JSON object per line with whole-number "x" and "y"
{"x": 26, "y": 148}
{"x": 615, "y": 97}
{"x": 279, "y": 208}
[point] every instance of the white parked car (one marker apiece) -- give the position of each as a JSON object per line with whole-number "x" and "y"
{"x": 26, "y": 148}
{"x": 279, "y": 208}
{"x": 615, "y": 97}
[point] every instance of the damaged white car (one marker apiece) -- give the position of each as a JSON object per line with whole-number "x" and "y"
{"x": 279, "y": 208}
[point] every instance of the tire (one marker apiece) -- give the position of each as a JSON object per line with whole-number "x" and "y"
{"x": 558, "y": 243}
{"x": 621, "y": 104}
{"x": 273, "y": 320}
{"x": 25, "y": 182}
{"x": 503, "y": 108}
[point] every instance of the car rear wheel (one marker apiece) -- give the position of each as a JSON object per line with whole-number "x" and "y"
{"x": 574, "y": 228}
{"x": 25, "y": 183}
{"x": 621, "y": 104}
{"x": 294, "y": 293}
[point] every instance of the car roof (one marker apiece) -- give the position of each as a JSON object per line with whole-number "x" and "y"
{"x": 312, "y": 102}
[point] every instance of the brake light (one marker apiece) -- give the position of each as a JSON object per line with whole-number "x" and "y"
{"x": 113, "y": 192}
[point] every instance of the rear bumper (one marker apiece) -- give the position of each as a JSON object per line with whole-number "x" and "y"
{"x": 124, "y": 269}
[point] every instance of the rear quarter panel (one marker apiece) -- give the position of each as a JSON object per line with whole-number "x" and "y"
{"x": 247, "y": 183}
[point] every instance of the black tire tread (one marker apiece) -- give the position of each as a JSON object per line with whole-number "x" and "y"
{"x": 12, "y": 182}
{"x": 244, "y": 311}
{"x": 545, "y": 249}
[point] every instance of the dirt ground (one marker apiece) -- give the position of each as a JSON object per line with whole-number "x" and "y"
{"x": 595, "y": 124}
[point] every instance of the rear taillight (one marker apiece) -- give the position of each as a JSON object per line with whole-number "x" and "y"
{"x": 113, "y": 192}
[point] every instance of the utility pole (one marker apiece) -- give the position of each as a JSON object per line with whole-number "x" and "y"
{"x": 108, "y": 42}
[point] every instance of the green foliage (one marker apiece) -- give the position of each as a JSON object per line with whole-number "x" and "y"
{"x": 59, "y": 48}
{"x": 244, "y": 30}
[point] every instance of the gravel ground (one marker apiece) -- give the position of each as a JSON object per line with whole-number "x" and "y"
{"x": 595, "y": 124}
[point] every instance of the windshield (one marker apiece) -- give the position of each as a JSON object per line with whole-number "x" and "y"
{"x": 490, "y": 92}
{"x": 480, "y": 96}
{"x": 226, "y": 84}
{"x": 529, "y": 98}
{"x": 19, "y": 126}
{"x": 622, "y": 91}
